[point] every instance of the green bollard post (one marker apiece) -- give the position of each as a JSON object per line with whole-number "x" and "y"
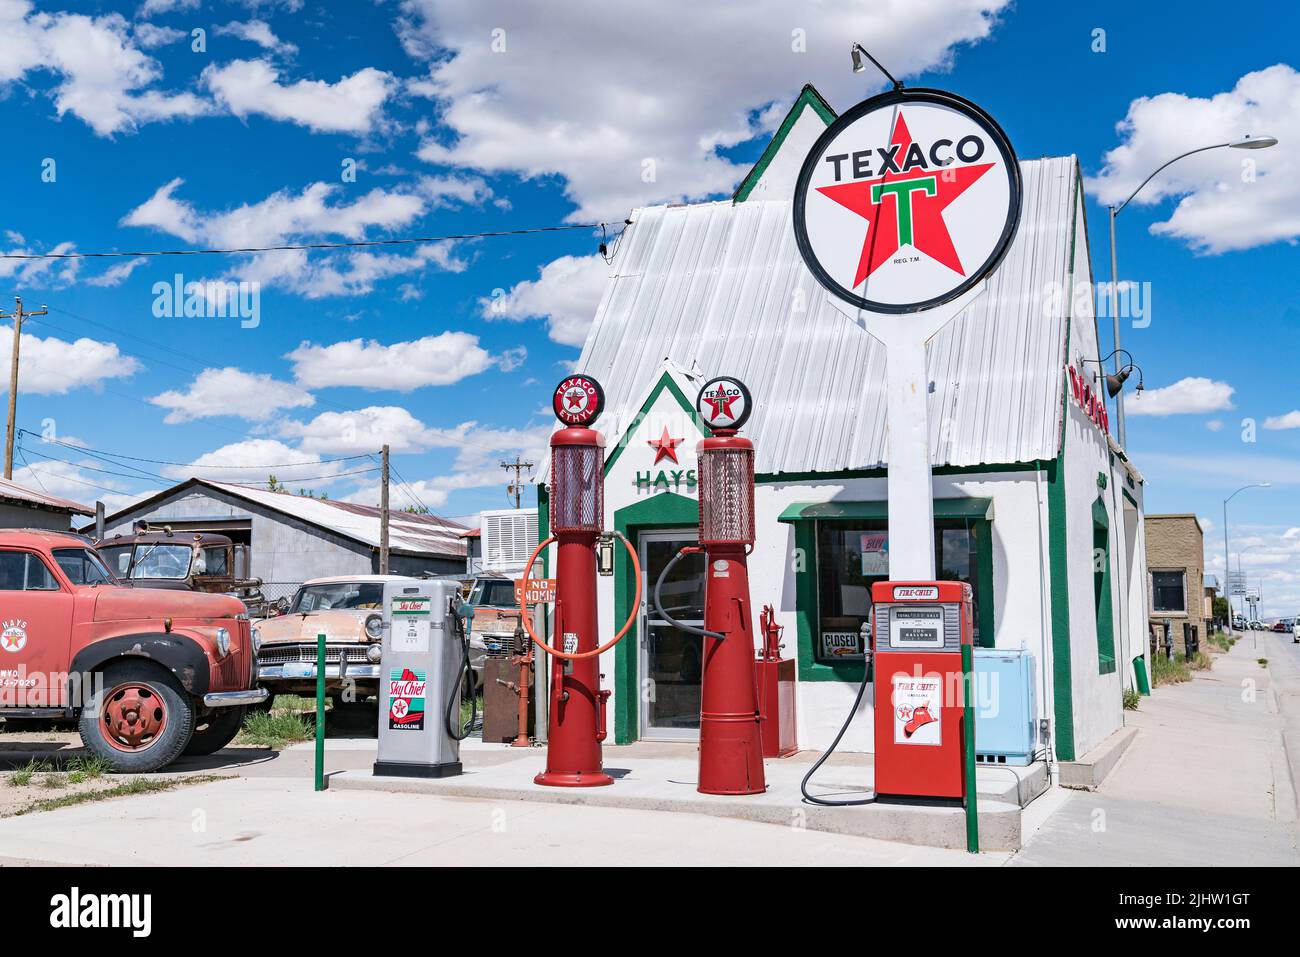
{"x": 320, "y": 712}
{"x": 968, "y": 741}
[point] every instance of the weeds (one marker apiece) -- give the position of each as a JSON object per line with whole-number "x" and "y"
{"x": 275, "y": 730}
{"x": 1169, "y": 671}
{"x": 1131, "y": 699}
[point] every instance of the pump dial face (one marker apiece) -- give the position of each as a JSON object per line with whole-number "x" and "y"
{"x": 578, "y": 400}
{"x": 724, "y": 403}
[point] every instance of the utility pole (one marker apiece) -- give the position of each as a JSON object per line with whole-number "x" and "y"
{"x": 516, "y": 487}
{"x": 18, "y": 315}
{"x": 383, "y": 512}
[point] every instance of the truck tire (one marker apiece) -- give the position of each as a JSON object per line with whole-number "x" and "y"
{"x": 140, "y": 721}
{"x": 216, "y": 731}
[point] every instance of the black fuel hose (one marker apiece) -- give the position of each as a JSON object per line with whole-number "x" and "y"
{"x": 803, "y": 785}
{"x": 466, "y": 672}
{"x": 659, "y": 605}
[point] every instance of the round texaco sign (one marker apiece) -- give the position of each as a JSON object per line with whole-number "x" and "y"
{"x": 724, "y": 403}
{"x": 578, "y": 400}
{"x": 907, "y": 200}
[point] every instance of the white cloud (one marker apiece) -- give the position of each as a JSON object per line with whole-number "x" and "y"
{"x": 1229, "y": 199}
{"x": 1290, "y": 420}
{"x": 594, "y": 96}
{"x": 433, "y": 360}
{"x": 256, "y": 31}
{"x": 55, "y": 366}
{"x": 118, "y": 274}
{"x": 149, "y": 36}
{"x": 365, "y": 430}
{"x": 565, "y": 294}
{"x": 253, "y": 460}
{"x": 231, "y": 391}
{"x": 252, "y": 87}
{"x": 1193, "y": 394}
{"x": 39, "y": 273}
{"x": 102, "y": 78}
{"x": 152, "y": 8}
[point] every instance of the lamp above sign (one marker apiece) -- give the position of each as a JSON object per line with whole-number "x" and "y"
{"x": 907, "y": 200}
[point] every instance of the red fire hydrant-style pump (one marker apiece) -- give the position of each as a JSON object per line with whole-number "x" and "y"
{"x": 577, "y": 712}
{"x": 731, "y": 752}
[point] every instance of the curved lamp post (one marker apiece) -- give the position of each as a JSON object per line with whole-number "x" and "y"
{"x": 1244, "y": 143}
{"x": 1227, "y": 567}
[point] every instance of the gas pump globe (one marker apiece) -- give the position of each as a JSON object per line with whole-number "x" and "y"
{"x": 577, "y": 723}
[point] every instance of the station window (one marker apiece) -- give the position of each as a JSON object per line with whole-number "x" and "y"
{"x": 854, "y": 555}
{"x": 1167, "y": 591}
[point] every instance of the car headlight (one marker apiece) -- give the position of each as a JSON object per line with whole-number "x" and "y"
{"x": 257, "y": 640}
{"x": 374, "y": 626}
{"x": 374, "y": 653}
{"x": 223, "y": 642}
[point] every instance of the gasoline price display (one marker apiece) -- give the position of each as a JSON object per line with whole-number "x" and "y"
{"x": 915, "y": 627}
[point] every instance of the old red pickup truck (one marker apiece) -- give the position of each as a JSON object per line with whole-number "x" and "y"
{"x": 148, "y": 674}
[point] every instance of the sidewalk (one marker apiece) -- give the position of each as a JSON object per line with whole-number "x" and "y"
{"x": 1206, "y": 782}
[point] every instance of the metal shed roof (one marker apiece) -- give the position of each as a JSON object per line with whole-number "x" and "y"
{"x": 21, "y": 494}
{"x": 721, "y": 288}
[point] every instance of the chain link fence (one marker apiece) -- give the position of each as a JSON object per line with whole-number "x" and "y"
{"x": 282, "y": 592}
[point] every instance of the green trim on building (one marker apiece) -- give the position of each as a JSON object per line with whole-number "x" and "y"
{"x": 773, "y": 478}
{"x": 973, "y": 508}
{"x": 665, "y": 510}
{"x": 1103, "y": 587}
{"x": 665, "y": 382}
{"x": 808, "y": 97}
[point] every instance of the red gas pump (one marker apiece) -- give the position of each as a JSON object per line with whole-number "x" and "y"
{"x": 577, "y": 712}
{"x": 919, "y": 629}
{"x": 731, "y": 753}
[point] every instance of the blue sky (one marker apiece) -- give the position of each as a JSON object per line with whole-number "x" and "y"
{"x": 468, "y": 116}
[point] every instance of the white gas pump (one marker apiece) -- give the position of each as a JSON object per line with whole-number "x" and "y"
{"x": 425, "y": 657}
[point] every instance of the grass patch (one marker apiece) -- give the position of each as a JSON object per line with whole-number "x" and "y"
{"x": 23, "y": 776}
{"x": 1131, "y": 699}
{"x": 1169, "y": 671}
{"x": 276, "y": 729}
{"x": 1222, "y": 640}
{"x": 84, "y": 768}
{"x": 1201, "y": 662}
{"x": 133, "y": 786}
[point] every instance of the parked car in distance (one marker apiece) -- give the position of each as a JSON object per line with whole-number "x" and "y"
{"x": 491, "y": 615}
{"x": 1295, "y": 630}
{"x": 349, "y": 610}
{"x": 148, "y": 674}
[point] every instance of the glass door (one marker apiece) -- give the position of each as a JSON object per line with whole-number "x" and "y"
{"x": 671, "y": 659}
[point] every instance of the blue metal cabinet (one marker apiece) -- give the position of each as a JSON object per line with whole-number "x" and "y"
{"x": 1006, "y": 714}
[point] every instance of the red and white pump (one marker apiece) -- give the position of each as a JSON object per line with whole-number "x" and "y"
{"x": 731, "y": 749}
{"x": 577, "y": 724}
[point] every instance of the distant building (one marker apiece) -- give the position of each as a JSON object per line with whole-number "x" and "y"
{"x": 22, "y": 507}
{"x": 473, "y": 539}
{"x": 293, "y": 538}
{"x": 1176, "y": 572}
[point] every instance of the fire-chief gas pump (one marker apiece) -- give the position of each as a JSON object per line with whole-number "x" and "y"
{"x": 919, "y": 629}
{"x": 425, "y": 659}
{"x": 731, "y": 749}
{"x": 576, "y": 724}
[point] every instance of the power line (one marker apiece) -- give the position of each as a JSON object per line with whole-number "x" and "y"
{"x": 134, "y": 458}
{"x": 350, "y": 244}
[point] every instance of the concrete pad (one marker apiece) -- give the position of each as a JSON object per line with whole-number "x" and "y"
{"x": 668, "y": 784}
{"x": 1091, "y": 770}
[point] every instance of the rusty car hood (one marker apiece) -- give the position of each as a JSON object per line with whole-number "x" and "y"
{"x": 115, "y": 603}
{"x": 342, "y": 624}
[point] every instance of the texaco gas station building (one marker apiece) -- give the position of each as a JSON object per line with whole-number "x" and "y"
{"x": 1035, "y": 505}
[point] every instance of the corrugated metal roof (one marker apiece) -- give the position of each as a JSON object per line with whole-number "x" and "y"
{"x": 406, "y": 531}
{"x": 721, "y": 288}
{"x": 13, "y": 492}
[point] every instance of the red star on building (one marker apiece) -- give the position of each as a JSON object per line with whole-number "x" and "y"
{"x": 905, "y": 215}
{"x": 665, "y": 448}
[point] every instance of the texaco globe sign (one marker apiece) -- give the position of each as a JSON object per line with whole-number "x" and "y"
{"x": 907, "y": 200}
{"x": 724, "y": 404}
{"x": 578, "y": 400}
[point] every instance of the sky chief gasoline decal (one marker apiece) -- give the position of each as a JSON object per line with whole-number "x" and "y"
{"x": 906, "y": 201}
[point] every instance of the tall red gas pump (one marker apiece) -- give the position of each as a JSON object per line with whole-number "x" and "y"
{"x": 577, "y": 704}
{"x": 731, "y": 749}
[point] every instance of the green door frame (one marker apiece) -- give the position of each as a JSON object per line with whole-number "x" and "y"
{"x": 1102, "y": 588}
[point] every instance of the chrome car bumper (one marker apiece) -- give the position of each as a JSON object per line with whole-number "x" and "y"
{"x": 231, "y": 699}
{"x": 299, "y": 670}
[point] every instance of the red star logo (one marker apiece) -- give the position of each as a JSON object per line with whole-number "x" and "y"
{"x": 903, "y": 209}
{"x": 721, "y": 403}
{"x": 575, "y": 400}
{"x": 665, "y": 448}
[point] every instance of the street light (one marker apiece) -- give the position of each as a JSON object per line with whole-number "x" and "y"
{"x": 1227, "y": 561}
{"x": 1243, "y": 143}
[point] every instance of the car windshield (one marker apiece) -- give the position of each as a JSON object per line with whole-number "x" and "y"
{"x": 162, "y": 561}
{"x": 335, "y": 595}
{"x": 212, "y": 561}
{"x": 82, "y": 566}
{"x": 117, "y": 558}
{"x": 498, "y": 593}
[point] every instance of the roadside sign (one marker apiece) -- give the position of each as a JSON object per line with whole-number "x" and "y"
{"x": 541, "y": 591}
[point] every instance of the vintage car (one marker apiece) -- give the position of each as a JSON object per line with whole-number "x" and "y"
{"x": 148, "y": 674}
{"x": 349, "y": 610}
{"x": 195, "y": 561}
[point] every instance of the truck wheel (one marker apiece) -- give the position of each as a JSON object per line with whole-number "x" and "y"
{"x": 141, "y": 721}
{"x": 216, "y": 731}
